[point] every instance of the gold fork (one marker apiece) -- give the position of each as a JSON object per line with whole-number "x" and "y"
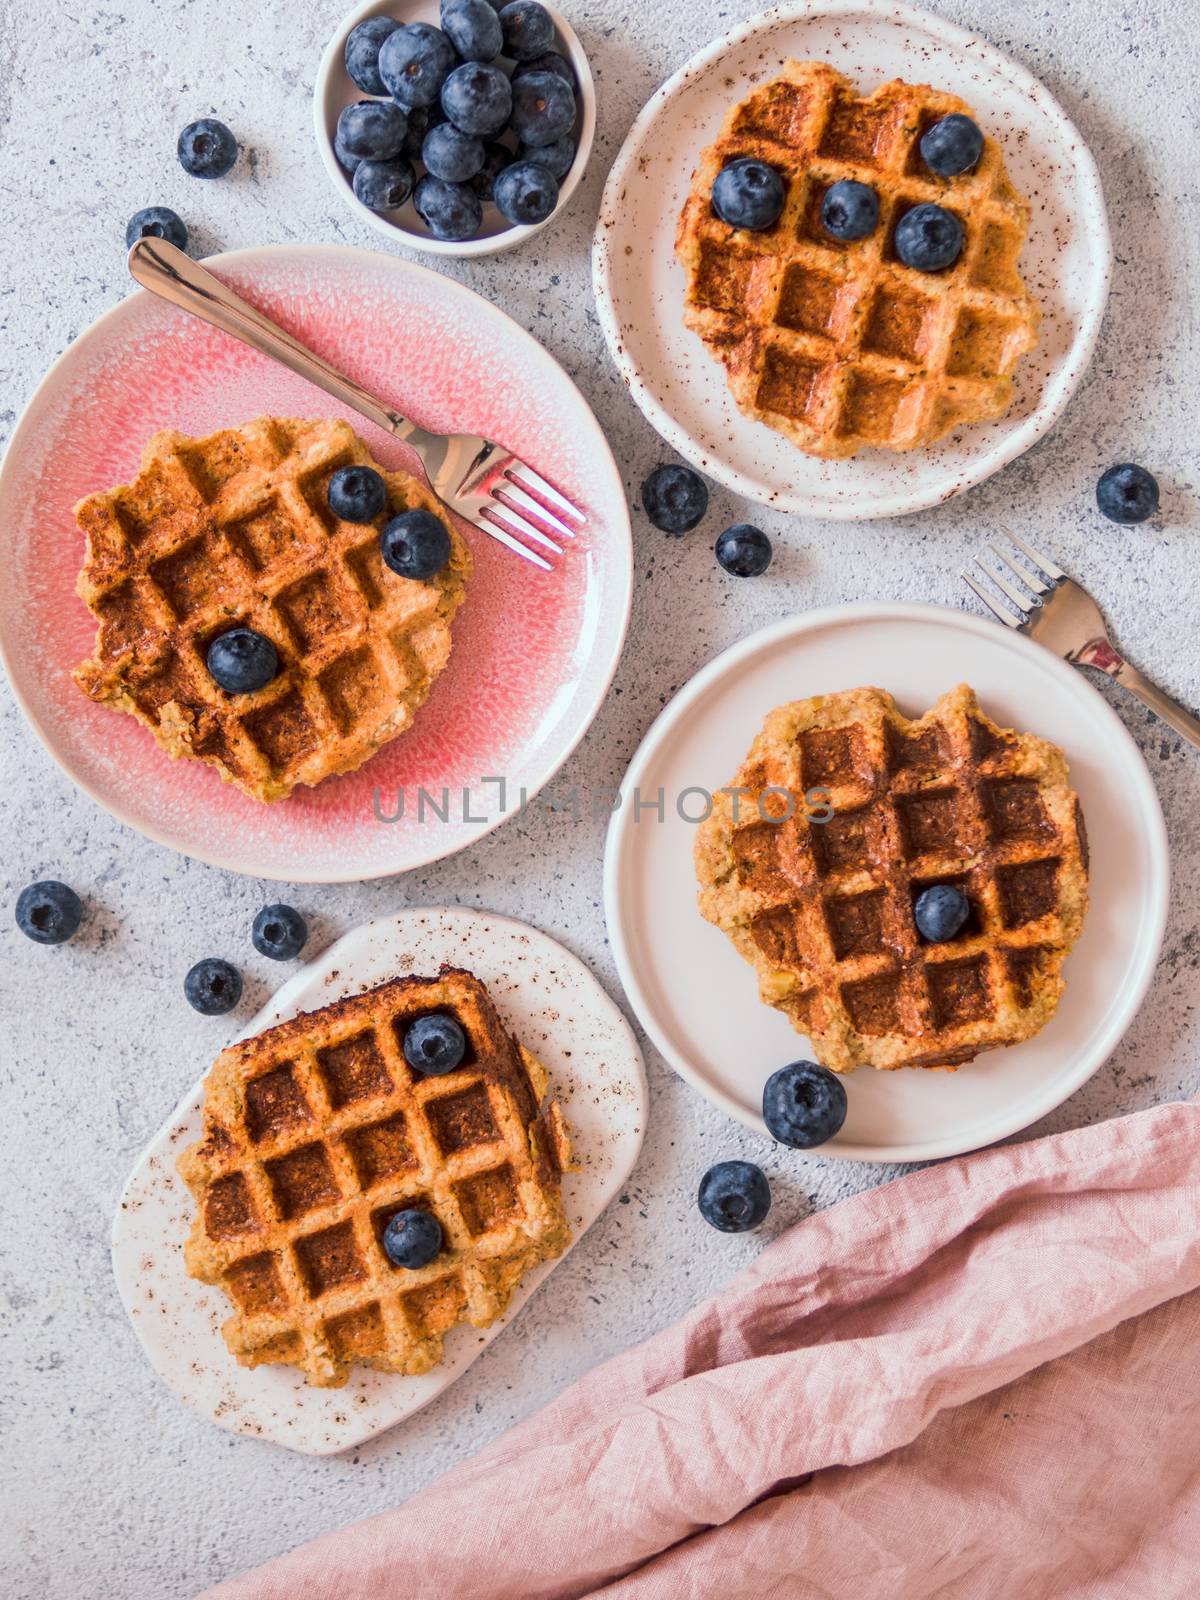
{"x": 1062, "y": 615}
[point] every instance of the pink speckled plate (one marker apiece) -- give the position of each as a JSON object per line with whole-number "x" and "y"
{"x": 554, "y": 1005}
{"x": 534, "y": 652}
{"x": 640, "y": 286}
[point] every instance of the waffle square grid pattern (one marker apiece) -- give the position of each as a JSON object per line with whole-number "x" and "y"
{"x": 235, "y": 530}
{"x": 317, "y": 1131}
{"x": 839, "y": 345}
{"x": 824, "y": 908}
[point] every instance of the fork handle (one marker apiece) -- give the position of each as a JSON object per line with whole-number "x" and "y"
{"x": 1161, "y": 704}
{"x": 168, "y": 273}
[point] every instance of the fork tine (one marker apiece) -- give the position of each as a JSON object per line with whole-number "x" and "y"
{"x": 1029, "y": 579}
{"x": 1002, "y": 583}
{"x": 522, "y": 471}
{"x": 1001, "y": 613}
{"x": 1035, "y": 556}
{"x": 515, "y": 520}
{"x": 503, "y": 536}
{"x": 514, "y": 492}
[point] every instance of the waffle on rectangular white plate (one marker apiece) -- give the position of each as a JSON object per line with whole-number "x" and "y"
{"x": 559, "y": 1011}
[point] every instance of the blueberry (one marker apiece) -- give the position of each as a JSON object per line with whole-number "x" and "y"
{"x": 279, "y": 932}
{"x": 929, "y": 238}
{"x": 952, "y": 145}
{"x": 526, "y": 192}
{"x": 49, "y": 912}
{"x": 213, "y": 986}
{"x": 528, "y": 30}
{"x": 473, "y": 28}
{"x": 450, "y": 154}
{"x": 206, "y": 149}
{"x": 748, "y": 194}
{"x": 434, "y": 1045}
{"x": 349, "y": 162}
{"x": 384, "y": 185}
{"x": 557, "y": 158}
{"x": 357, "y": 494}
{"x": 744, "y": 551}
{"x": 412, "y": 1239}
{"x": 477, "y": 98}
{"x": 850, "y": 210}
{"x": 940, "y": 912}
{"x": 448, "y": 210}
{"x": 734, "y": 1196}
{"x": 674, "y": 498}
{"x": 804, "y": 1104}
{"x": 415, "y": 544}
{"x": 362, "y": 53}
{"x": 495, "y": 158}
{"x": 551, "y": 61}
{"x": 156, "y": 222}
{"x": 414, "y": 63}
{"x": 420, "y": 120}
{"x": 373, "y": 130}
{"x": 543, "y": 108}
{"x": 1127, "y": 493}
{"x": 242, "y": 661}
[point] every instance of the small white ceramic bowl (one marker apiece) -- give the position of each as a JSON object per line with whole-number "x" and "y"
{"x": 334, "y": 90}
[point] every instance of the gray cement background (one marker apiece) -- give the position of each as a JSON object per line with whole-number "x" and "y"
{"x": 108, "y": 1487}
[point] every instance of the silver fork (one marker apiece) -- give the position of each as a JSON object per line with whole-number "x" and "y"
{"x": 485, "y": 484}
{"x": 1063, "y": 616}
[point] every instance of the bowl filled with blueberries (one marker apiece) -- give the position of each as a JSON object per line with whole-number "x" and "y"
{"x": 458, "y": 127}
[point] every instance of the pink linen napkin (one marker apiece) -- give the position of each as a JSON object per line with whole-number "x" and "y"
{"x": 991, "y": 1368}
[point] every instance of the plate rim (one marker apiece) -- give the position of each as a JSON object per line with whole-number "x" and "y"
{"x": 203, "y": 851}
{"x": 859, "y": 613}
{"x": 1054, "y": 399}
{"x": 266, "y": 1017}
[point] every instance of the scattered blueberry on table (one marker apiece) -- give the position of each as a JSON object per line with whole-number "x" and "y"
{"x": 412, "y": 1239}
{"x": 675, "y": 498}
{"x": 457, "y": 107}
{"x": 748, "y": 194}
{"x": 952, "y": 145}
{"x": 213, "y": 986}
{"x": 207, "y": 149}
{"x": 928, "y": 238}
{"x": 849, "y": 210}
{"x": 940, "y": 912}
{"x": 49, "y": 912}
{"x": 279, "y": 932}
{"x": 1127, "y": 493}
{"x": 156, "y": 222}
{"x": 356, "y": 494}
{"x": 434, "y": 1045}
{"x": 242, "y": 661}
{"x": 734, "y": 1196}
{"x": 804, "y": 1104}
{"x": 744, "y": 551}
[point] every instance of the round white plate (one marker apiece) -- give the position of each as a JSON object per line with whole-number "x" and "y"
{"x": 698, "y": 1000}
{"x": 640, "y": 286}
{"x": 550, "y": 1000}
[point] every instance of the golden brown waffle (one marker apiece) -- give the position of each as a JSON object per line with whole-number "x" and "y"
{"x": 839, "y": 345}
{"x": 317, "y": 1131}
{"x": 823, "y": 909}
{"x": 233, "y": 530}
